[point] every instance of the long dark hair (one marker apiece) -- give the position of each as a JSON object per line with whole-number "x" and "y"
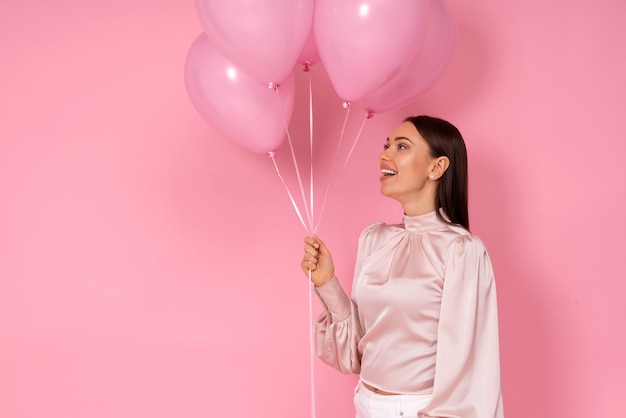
{"x": 445, "y": 140}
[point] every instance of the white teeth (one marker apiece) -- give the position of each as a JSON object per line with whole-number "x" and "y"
{"x": 388, "y": 172}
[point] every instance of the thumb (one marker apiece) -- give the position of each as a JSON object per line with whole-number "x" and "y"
{"x": 322, "y": 247}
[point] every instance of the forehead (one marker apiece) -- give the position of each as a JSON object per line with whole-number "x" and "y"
{"x": 405, "y": 130}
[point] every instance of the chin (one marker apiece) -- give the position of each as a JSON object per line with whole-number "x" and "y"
{"x": 386, "y": 193}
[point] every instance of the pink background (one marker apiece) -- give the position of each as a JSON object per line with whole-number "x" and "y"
{"x": 149, "y": 267}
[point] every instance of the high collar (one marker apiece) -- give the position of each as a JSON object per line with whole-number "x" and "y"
{"x": 422, "y": 223}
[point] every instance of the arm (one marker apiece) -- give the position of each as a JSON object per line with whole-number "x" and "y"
{"x": 337, "y": 328}
{"x": 467, "y": 376}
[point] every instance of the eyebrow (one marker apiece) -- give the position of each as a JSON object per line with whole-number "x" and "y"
{"x": 397, "y": 138}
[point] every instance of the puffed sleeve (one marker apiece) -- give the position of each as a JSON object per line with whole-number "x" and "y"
{"x": 338, "y": 329}
{"x": 467, "y": 374}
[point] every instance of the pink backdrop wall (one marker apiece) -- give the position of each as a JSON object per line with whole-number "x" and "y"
{"x": 149, "y": 267}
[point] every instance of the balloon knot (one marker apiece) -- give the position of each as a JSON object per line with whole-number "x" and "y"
{"x": 346, "y": 105}
{"x": 370, "y": 114}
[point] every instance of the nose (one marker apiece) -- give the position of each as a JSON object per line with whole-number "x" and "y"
{"x": 383, "y": 156}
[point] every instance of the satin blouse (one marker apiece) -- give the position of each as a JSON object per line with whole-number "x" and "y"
{"x": 422, "y": 317}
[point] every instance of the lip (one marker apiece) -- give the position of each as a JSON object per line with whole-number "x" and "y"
{"x": 384, "y": 177}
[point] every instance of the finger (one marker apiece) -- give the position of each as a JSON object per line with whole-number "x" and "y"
{"x": 320, "y": 245}
{"x": 311, "y": 248}
{"x": 312, "y": 252}
{"x": 311, "y": 241}
{"x": 310, "y": 258}
{"x": 308, "y": 266}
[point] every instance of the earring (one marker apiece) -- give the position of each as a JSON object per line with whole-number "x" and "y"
{"x": 432, "y": 177}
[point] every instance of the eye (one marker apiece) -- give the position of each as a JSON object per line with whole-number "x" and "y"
{"x": 386, "y": 146}
{"x": 402, "y": 146}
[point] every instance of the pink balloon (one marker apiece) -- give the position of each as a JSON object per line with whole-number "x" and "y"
{"x": 263, "y": 37}
{"x": 309, "y": 55}
{"x": 363, "y": 43}
{"x": 420, "y": 74}
{"x": 242, "y": 108}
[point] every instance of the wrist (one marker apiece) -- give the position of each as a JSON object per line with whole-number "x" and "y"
{"x": 318, "y": 282}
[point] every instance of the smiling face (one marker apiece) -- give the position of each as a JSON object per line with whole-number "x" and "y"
{"x": 407, "y": 166}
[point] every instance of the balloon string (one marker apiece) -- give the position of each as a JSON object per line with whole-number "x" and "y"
{"x": 298, "y": 176}
{"x": 309, "y": 230}
{"x": 311, "y": 145}
{"x": 297, "y": 169}
{"x": 311, "y": 347}
{"x": 311, "y": 328}
{"x": 311, "y": 318}
{"x": 293, "y": 201}
{"x": 356, "y": 139}
{"x": 333, "y": 167}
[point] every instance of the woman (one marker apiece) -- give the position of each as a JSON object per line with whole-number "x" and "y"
{"x": 421, "y": 327}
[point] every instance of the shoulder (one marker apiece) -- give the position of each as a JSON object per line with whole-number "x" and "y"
{"x": 467, "y": 260}
{"x": 465, "y": 246}
{"x": 371, "y": 229}
{"x": 376, "y": 233}
{"x": 382, "y": 228}
{"x": 370, "y": 232}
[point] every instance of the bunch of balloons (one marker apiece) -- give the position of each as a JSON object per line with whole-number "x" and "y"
{"x": 381, "y": 54}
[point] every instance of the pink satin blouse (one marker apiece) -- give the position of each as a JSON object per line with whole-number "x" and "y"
{"x": 422, "y": 318}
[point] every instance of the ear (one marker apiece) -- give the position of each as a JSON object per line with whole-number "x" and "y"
{"x": 440, "y": 165}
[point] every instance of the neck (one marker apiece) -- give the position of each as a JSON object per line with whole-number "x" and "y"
{"x": 417, "y": 203}
{"x": 418, "y": 208}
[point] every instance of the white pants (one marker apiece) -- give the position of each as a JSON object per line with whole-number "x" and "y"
{"x": 369, "y": 404}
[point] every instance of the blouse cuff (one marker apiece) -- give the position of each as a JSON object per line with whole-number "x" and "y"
{"x": 334, "y": 299}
